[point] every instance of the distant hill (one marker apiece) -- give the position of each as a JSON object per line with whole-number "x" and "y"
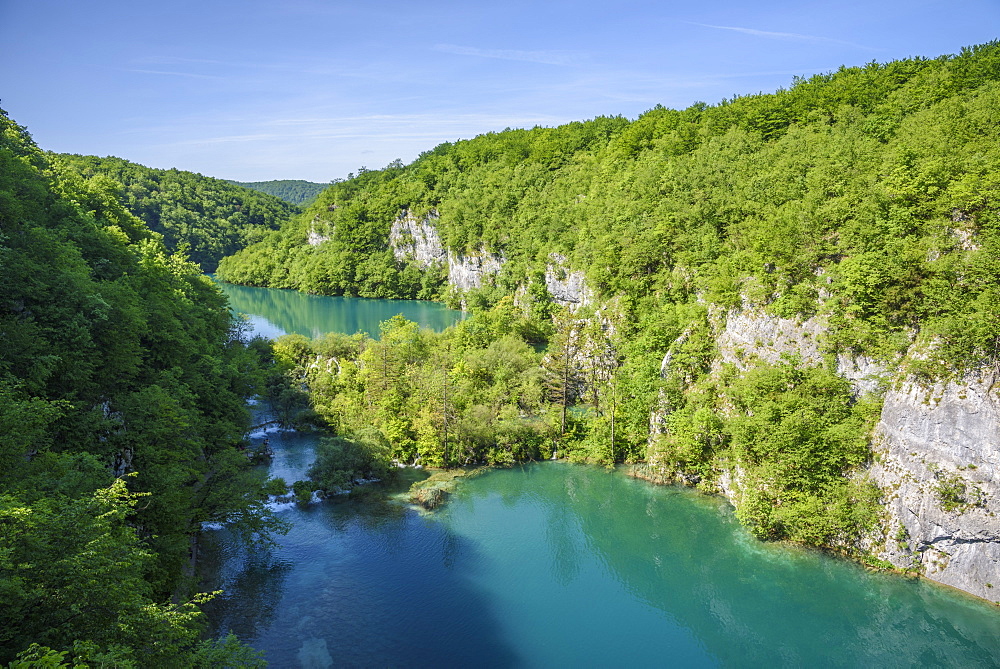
{"x": 294, "y": 191}
{"x": 210, "y": 217}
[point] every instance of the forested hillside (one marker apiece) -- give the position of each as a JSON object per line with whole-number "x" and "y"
{"x": 207, "y": 218}
{"x": 864, "y": 201}
{"x": 122, "y": 401}
{"x": 876, "y": 184}
{"x": 294, "y": 191}
{"x": 867, "y": 182}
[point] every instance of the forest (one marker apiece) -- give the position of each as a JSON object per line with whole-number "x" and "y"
{"x": 293, "y": 191}
{"x": 203, "y": 217}
{"x": 124, "y": 382}
{"x": 867, "y": 197}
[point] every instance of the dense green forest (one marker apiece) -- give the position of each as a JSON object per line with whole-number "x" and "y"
{"x": 294, "y": 191}
{"x": 124, "y": 384}
{"x": 204, "y": 217}
{"x": 867, "y": 197}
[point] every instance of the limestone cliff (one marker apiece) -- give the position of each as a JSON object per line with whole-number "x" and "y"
{"x": 751, "y": 334}
{"x": 937, "y": 460}
{"x": 466, "y": 272}
{"x": 417, "y": 239}
{"x": 936, "y": 450}
{"x": 567, "y": 287}
{"x": 314, "y": 237}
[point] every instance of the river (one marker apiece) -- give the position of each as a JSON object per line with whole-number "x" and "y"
{"x": 559, "y": 565}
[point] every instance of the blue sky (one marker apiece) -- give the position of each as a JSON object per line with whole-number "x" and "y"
{"x": 313, "y": 89}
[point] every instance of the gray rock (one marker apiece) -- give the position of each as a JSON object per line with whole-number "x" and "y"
{"x": 466, "y": 272}
{"x": 567, "y": 287}
{"x": 938, "y": 463}
{"x": 314, "y": 236}
{"x": 754, "y": 333}
{"x": 417, "y": 239}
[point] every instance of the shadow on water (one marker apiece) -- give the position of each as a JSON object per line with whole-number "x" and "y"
{"x": 252, "y": 583}
{"x": 364, "y": 584}
{"x": 355, "y": 582}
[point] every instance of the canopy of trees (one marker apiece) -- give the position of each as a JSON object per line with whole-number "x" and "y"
{"x": 123, "y": 386}
{"x": 293, "y": 191}
{"x": 203, "y": 217}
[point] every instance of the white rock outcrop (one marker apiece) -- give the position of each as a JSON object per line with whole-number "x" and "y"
{"x": 937, "y": 451}
{"x": 314, "y": 237}
{"x": 567, "y": 287}
{"x": 938, "y": 464}
{"x": 753, "y": 333}
{"x": 416, "y": 238}
{"x": 413, "y": 238}
{"x": 466, "y": 272}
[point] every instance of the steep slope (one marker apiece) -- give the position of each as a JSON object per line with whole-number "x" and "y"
{"x": 122, "y": 401}
{"x": 782, "y": 278}
{"x": 208, "y": 218}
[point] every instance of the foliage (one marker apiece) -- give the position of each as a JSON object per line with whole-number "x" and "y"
{"x": 293, "y": 191}
{"x": 875, "y": 186}
{"x": 122, "y": 377}
{"x": 956, "y": 494}
{"x": 341, "y": 463}
{"x": 203, "y": 217}
{"x": 795, "y": 433}
{"x": 467, "y": 395}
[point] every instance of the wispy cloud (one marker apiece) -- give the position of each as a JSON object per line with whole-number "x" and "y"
{"x": 544, "y": 57}
{"x": 787, "y": 37}
{"x": 175, "y": 60}
{"x": 191, "y": 75}
{"x": 377, "y": 127}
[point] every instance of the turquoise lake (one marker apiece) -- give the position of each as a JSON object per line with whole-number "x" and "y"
{"x": 272, "y": 312}
{"x": 559, "y": 565}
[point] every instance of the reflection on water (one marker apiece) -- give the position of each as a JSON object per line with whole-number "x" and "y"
{"x": 560, "y": 565}
{"x": 275, "y": 312}
{"x": 666, "y": 574}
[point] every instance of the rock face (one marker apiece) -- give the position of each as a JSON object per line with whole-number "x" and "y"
{"x": 937, "y": 452}
{"x": 566, "y": 287}
{"x": 938, "y": 463}
{"x": 417, "y": 239}
{"x": 753, "y": 333}
{"x": 466, "y": 272}
{"x": 315, "y": 237}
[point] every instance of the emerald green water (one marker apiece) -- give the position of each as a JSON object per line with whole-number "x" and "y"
{"x": 272, "y": 312}
{"x": 559, "y": 565}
